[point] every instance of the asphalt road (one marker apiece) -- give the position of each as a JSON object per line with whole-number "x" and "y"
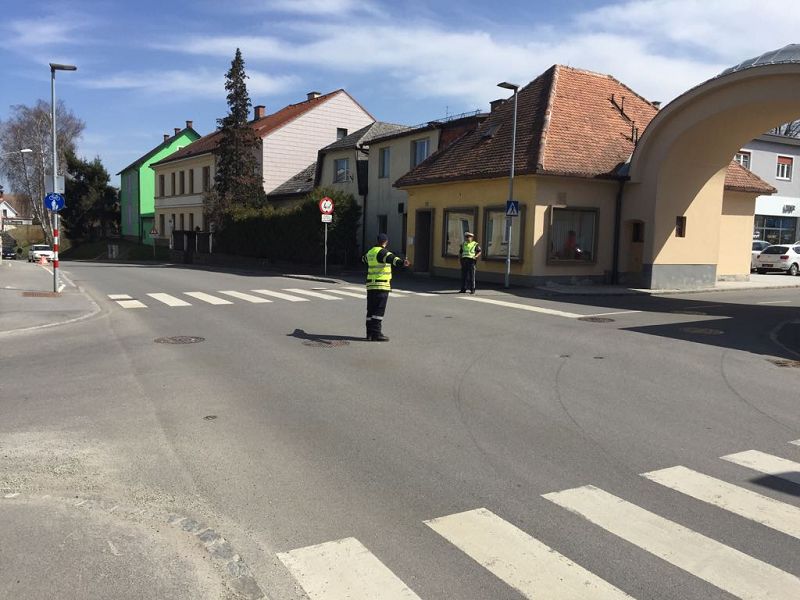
{"x": 287, "y": 433}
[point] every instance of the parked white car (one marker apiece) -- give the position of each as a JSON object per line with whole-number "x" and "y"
{"x": 36, "y": 251}
{"x": 779, "y": 258}
{"x": 758, "y": 247}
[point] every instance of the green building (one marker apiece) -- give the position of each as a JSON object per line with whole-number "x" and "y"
{"x": 138, "y": 186}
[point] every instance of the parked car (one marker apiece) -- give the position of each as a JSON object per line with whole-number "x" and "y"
{"x": 779, "y": 258}
{"x": 9, "y": 253}
{"x": 36, "y": 251}
{"x": 758, "y": 247}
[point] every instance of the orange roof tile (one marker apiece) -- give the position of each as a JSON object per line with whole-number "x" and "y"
{"x": 739, "y": 179}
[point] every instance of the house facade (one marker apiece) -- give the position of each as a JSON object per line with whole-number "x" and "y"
{"x": 138, "y": 186}
{"x": 289, "y": 141}
{"x": 774, "y": 159}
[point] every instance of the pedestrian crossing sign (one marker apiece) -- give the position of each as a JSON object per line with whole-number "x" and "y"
{"x": 512, "y": 208}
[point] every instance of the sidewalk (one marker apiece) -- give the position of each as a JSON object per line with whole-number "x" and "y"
{"x": 27, "y": 301}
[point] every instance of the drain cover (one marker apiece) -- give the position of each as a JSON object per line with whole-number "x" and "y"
{"x": 596, "y": 319}
{"x": 180, "y": 339}
{"x": 702, "y": 330}
{"x": 785, "y": 363}
{"x": 325, "y": 344}
{"x": 41, "y": 294}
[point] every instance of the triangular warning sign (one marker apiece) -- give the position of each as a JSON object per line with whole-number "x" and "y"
{"x": 512, "y": 208}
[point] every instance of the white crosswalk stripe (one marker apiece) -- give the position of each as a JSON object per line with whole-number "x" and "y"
{"x": 208, "y": 298}
{"x": 412, "y": 293}
{"x": 344, "y": 570}
{"x": 392, "y": 294}
{"x": 246, "y": 297}
{"x": 348, "y": 294}
{"x": 281, "y": 296}
{"x": 796, "y": 442}
{"x": 743, "y": 502}
{"x": 523, "y": 562}
{"x": 312, "y": 294}
{"x": 119, "y": 297}
{"x": 125, "y": 301}
{"x": 722, "y": 566}
{"x": 527, "y": 307}
{"x": 767, "y": 464}
{"x": 169, "y": 300}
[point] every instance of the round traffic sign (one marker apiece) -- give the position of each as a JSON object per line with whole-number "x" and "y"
{"x": 326, "y": 206}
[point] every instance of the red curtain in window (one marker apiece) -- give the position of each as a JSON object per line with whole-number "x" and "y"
{"x": 784, "y": 160}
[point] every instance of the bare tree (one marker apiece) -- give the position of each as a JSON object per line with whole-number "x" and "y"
{"x": 30, "y": 127}
{"x": 790, "y": 129}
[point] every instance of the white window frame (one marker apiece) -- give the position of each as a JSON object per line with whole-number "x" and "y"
{"x": 739, "y": 157}
{"x": 414, "y": 143}
{"x": 341, "y": 177}
{"x": 384, "y": 158}
{"x": 778, "y": 165}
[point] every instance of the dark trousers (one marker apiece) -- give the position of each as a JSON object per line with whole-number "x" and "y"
{"x": 467, "y": 274}
{"x": 376, "y": 307}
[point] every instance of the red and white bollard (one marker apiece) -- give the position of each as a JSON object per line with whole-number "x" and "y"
{"x": 55, "y": 256}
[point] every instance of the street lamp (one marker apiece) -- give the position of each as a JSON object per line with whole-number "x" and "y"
{"x": 53, "y": 68}
{"x": 23, "y": 151}
{"x": 515, "y": 88}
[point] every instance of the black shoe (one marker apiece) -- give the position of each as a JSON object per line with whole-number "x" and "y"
{"x": 379, "y": 338}
{"x": 472, "y": 292}
{"x": 462, "y": 291}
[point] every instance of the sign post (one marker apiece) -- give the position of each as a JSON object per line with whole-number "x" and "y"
{"x": 153, "y": 234}
{"x": 54, "y": 202}
{"x": 326, "y": 208}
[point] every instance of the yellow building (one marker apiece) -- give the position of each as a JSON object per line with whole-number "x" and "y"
{"x": 611, "y": 189}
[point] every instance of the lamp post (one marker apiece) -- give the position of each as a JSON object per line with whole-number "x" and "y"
{"x": 23, "y": 151}
{"x": 515, "y": 88}
{"x": 53, "y": 68}
{"x": 2, "y": 219}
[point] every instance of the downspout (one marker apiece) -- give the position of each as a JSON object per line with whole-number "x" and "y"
{"x": 363, "y": 201}
{"x": 617, "y": 230}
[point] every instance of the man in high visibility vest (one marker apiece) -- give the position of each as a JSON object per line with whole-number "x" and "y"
{"x": 469, "y": 254}
{"x": 379, "y": 263}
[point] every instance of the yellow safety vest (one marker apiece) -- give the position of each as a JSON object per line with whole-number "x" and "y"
{"x": 468, "y": 249}
{"x": 379, "y": 275}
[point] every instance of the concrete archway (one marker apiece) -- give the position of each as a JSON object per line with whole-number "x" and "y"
{"x": 679, "y": 165}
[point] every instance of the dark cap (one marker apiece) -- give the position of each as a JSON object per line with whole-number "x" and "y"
{"x": 382, "y": 237}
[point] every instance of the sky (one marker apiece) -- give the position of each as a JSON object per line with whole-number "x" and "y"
{"x": 146, "y": 67}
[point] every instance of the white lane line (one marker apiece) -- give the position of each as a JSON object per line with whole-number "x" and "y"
{"x": 208, "y": 298}
{"x": 618, "y": 312}
{"x": 119, "y": 297}
{"x": 312, "y": 294}
{"x": 796, "y": 442}
{"x": 131, "y": 304}
{"x": 348, "y": 294}
{"x": 722, "y": 566}
{"x": 426, "y": 294}
{"x": 776, "y": 302}
{"x": 528, "y": 307}
{"x": 392, "y": 294}
{"x": 738, "y": 500}
{"x": 245, "y": 297}
{"x": 523, "y": 562}
{"x": 767, "y": 464}
{"x": 169, "y": 300}
{"x": 344, "y": 569}
{"x": 61, "y": 288}
{"x": 281, "y": 296}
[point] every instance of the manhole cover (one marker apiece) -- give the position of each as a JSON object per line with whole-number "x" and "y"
{"x": 698, "y": 313}
{"x": 702, "y": 330}
{"x": 596, "y": 319}
{"x": 786, "y": 363}
{"x": 180, "y": 339}
{"x": 41, "y": 294}
{"x": 325, "y": 344}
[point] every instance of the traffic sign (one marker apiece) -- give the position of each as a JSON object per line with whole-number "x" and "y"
{"x": 154, "y": 231}
{"x": 326, "y": 206}
{"x": 54, "y": 202}
{"x": 512, "y": 208}
{"x": 327, "y": 218}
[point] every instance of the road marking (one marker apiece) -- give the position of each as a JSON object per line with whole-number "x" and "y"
{"x": 796, "y": 442}
{"x": 523, "y": 562}
{"x": 169, "y": 300}
{"x": 528, "y": 307}
{"x": 427, "y": 294}
{"x": 767, "y": 464}
{"x": 344, "y": 569}
{"x": 312, "y": 294}
{"x": 743, "y": 502}
{"x": 349, "y": 294}
{"x": 392, "y": 294}
{"x": 119, "y": 297}
{"x": 776, "y": 302}
{"x": 208, "y": 298}
{"x": 61, "y": 288}
{"x": 245, "y": 297}
{"x": 131, "y": 304}
{"x": 281, "y": 296}
{"x": 722, "y": 566}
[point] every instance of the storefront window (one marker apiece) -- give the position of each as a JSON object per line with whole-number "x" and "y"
{"x": 494, "y": 245}
{"x": 573, "y": 235}
{"x": 457, "y": 221}
{"x": 775, "y": 230}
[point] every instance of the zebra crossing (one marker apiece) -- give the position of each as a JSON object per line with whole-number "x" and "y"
{"x": 259, "y": 296}
{"x": 345, "y": 568}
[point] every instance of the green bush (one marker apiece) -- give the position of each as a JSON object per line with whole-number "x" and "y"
{"x": 293, "y": 234}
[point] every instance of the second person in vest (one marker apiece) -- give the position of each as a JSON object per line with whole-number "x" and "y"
{"x": 379, "y": 283}
{"x": 470, "y": 253}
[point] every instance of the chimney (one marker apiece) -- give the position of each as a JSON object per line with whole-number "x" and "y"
{"x": 166, "y": 137}
{"x": 495, "y": 104}
{"x": 189, "y": 124}
{"x": 259, "y": 111}
{"x": 313, "y": 95}
{"x": 177, "y": 130}
{"x": 657, "y": 103}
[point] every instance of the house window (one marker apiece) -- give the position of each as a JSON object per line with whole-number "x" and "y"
{"x": 182, "y": 181}
{"x": 637, "y": 232}
{"x": 206, "y": 179}
{"x": 161, "y": 228}
{"x": 383, "y": 223}
{"x": 457, "y": 221}
{"x": 191, "y": 181}
{"x": 419, "y": 151}
{"x": 784, "y": 168}
{"x": 172, "y": 223}
{"x": 183, "y": 224}
{"x": 495, "y": 245}
{"x": 573, "y": 235}
{"x": 161, "y": 187}
{"x": 172, "y": 184}
{"x": 341, "y": 170}
{"x": 680, "y": 226}
{"x": 341, "y": 133}
{"x": 743, "y": 158}
{"x": 383, "y": 163}
{"x": 191, "y": 221}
